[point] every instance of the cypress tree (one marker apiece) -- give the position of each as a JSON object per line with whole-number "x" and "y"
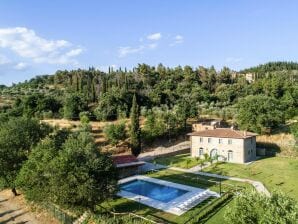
{"x": 135, "y": 132}
{"x": 93, "y": 90}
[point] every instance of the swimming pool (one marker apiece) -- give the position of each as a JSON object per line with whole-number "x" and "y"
{"x": 164, "y": 195}
{"x": 152, "y": 190}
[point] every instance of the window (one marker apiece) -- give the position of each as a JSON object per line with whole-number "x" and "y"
{"x": 251, "y": 140}
{"x": 201, "y": 151}
{"x": 201, "y": 139}
{"x": 220, "y": 141}
{"x": 209, "y": 140}
{"x": 230, "y": 141}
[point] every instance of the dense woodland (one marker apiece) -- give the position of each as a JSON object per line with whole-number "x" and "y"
{"x": 168, "y": 95}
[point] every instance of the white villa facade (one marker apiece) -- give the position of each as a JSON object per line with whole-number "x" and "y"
{"x": 225, "y": 144}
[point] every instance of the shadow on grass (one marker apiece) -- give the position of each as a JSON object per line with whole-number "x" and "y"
{"x": 215, "y": 211}
{"x": 271, "y": 149}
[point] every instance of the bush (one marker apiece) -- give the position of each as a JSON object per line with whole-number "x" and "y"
{"x": 47, "y": 114}
{"x": 84, "y": 117}
{"x": 115, "y": 133}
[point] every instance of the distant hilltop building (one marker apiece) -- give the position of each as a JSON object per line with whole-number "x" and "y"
{"x": 209, "y": 125}
{"x": 249, "y": 77}
{"x": 225, "y": 144}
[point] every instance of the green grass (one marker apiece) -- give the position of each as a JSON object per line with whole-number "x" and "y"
{"x": 182, "y": 161}
{"x": 125, "y": 205}
{"x": 197, "y": 180}
{"x": 218, "y": 217}
{"x": 276, "y": 173}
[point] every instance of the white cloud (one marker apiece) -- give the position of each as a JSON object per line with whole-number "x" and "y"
{"x": 74, "y": 52}
{"x": 233, "y": 59}
{"x": 178, "y": 39}
{"x": 149, "y": 42}
{"x": 124, "y": 51}
{"x": 154, "y": 36}
{"x": 27, "y": 44}
{"x": 20, "y": 66}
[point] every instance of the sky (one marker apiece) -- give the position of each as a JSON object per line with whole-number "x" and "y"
{"x": 40, "y": 37}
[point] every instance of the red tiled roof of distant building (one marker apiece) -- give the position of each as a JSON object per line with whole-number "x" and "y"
{"x": 224, "y": 133}
{"x": 126, "y": 160}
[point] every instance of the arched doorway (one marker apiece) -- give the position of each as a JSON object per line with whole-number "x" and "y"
{"x": 213, "y": 153}
{"x": 201, "y": 151}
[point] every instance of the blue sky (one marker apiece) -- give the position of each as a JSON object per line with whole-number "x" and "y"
{"x": 39, "y": 37}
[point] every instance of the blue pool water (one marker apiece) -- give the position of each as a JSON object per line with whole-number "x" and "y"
{"x": 155, "y": 191}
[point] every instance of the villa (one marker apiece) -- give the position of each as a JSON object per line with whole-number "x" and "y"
{"x": 225, "y": 144}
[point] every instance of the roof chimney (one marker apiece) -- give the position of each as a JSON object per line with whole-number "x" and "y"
{"x": 245, "y": 133}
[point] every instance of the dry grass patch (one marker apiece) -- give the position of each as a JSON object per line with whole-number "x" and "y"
{"x": 97, "y": 132}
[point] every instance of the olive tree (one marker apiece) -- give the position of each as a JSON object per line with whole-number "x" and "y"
{"x": 17, "y": 137}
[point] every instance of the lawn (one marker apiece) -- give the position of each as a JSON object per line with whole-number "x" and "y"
{"x": 218, "y": 217}
{"x": 276, "y": 173}
{"x": 125, "y": 205}
{"x": 182, "y": 161}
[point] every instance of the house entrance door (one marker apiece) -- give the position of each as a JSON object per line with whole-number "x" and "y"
{"x": 230, "y": 156}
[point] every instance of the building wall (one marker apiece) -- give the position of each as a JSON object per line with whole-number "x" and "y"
{"x": 250, "y": 149}
{"x": 202, "y": 127}
{"x": 239, "y": 151}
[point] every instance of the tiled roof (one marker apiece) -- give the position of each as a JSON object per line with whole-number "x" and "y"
{"x": 224, "y": 133}
{"x": 125, "y": 159}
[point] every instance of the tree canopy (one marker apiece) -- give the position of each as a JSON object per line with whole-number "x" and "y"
{"x": 251, "y": 207}
{"x": 17, "y": 137}
{"x": 259, "y": 113}
{"x": 70, "y": 171}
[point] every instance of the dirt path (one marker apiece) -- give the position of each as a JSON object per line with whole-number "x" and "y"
{"x": 13, "y": 210}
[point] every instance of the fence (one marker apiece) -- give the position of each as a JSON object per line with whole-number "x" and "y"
{"x": 62, "y": 216}
{"x": 130, "y": 214}
{"x": 210, "y": 209}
